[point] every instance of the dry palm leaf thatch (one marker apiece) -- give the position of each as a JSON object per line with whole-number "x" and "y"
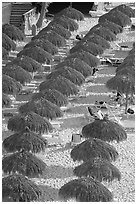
{"x": 41, "y": 107}
{"x": 69, "y": 73}
{"x": 44, "y": 44}
{"x": 131, "y": 52}
{"x": 94, "y": 148}
{"x": 71, "y": 13}
{"x": 99, "y": 169}
{"x": 6, "y": 101}
{"x": 127, "y": 10}
{"x": 5, "y": 54}
{"x": 66, "y": 22}
{"x": 20, "y": 188}
{"x": 52, "y": 37}
{"x": 90, "y": 47}
{"x": 126, "y": 70}
{"x": 17, "y": 73}
{"x": 116, "y": 17}
{"x": 33, "y": 121}
{"x": 8, "y": 43}
{"x": 105, "y": 130}
{"x": 24, "y": 163}
{"x": 85, "y": 190}
{"x": 25, "y": 140}
{"x": 37, "y": 54}
{"x": 90, "y": 59}
{"x": 76, "y": 64}
{"x": 127, "y": 62}
{"x": 61, "y": 84}
{"x": 13, "y": 32}
{"x": 103, "y": 32}
{"x": 27, "y": 63}
{"x": 51, "y": 95}
{"x": 58, "y": 29}
{"x": 94, "y": 38}
{"x": 10, "y": 85}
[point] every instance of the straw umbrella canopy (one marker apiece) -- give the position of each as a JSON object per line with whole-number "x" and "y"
{"x": 127, "y": 70}
{"x": 116, "y": 17}
{"x": 13, "y": 32}
{"x": 69, "y": 73}
{"x": 24, "y": 163}
{"x": 52, "y": 37}
{"x": 85, "y": 190}
{"x": 44, "y": 44}
{"x": 71, "y": 13}
{"x": 94, "y": 148}
{"x": 90, "y": 47}
{"x": 105, "y": 130}
{"x": 94, "y": 38}
{"x": 17, "y": 73}
{"x": 66, "y": 22}
{"x": 127, "y": 62}
{"x": 61, "y": 84}
{"x": 27, "y": 63}
{"x": 41, "y": 107}
{"x": 5, "y": 54}
{"x": 123, "y": 84}
{"x": 113, "y": 27}
{"x": 31, "y": 120}
{"x": 10, "y": 85}
{"x": 58, "y": 29}
{"x": 127, "y": 10}
{"x": 103, "y": 32}
{"x": 6, "y": 101}
{"x": 90, "y": 59}
{"x": 20, "y": 188}
{"x": 51, "y": 95}
{"x": 99, "y": 169}
{"x": 76, "y": 64}
{"x": 25, "y": 140}
{"x": 37, "y": 54}
{"x": 8, "y": 43}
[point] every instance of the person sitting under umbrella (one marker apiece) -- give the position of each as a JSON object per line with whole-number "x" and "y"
{"x": 78, "y": 37}
{"x": 98, "y": 115}
{"x": 94, "y": 71}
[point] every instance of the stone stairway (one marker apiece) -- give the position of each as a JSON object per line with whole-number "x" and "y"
{"x": 17, "y": 11}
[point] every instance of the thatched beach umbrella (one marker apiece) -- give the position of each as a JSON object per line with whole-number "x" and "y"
{"x": 94, "y": 148}
{"x": 127, "y": 10}
{"x": 94, "y": 38}
{"x": 19, "y": 188}
{"x": 52, "y": 37}
{"x": 41, "y": 107}
{"x": 44, "y": 44}
{"x": 116, "y": 17}
{"x": 10, "y": 85}
{"x": 99, "y": 169}
{"x": 103, "y": 32}
{"x": 122, "y": 84}
{"x": 58, "y": 29}
{"x": 6, "y": 101}
{"x": 69, "y": 73}
{"x": 37, "y": 54}
{"x": 24, "y": 163}
{"x": 85, "y": 190}
{"x": 5, "y": 54}
{"x": 105, "y": 130}
{"x": 8, "y": 43}
{"x": 17, "y": 73}
{"x": 13, "y": 32}
{"x": 90, "y": 59}
{"x": 63, "y": 85}
{"x": 31, "y": 120}
{"x": 71, "y": 13}
{"x": 51, "y": 95}
{"x": 76, "y": 64}
{"x": 66, "y": 22}
{"x": 127, "y": 70}
{"x": 90, "y": 47}
{"x": 127, "y": 62}
{"x": 27, "y": 63}
{"x": 25, "y": 140}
